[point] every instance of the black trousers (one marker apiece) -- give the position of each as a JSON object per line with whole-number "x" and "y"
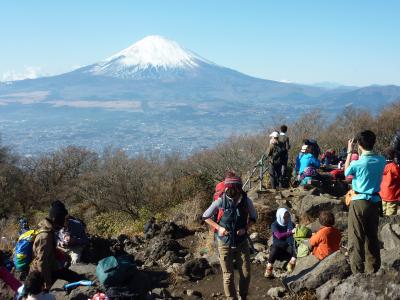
{"x": 284, "y": 252}
{"x": 275, "y": 173}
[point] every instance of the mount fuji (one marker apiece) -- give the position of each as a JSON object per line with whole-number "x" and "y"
{"x": 157, "y": 69}
{"x": 160, "y": 89}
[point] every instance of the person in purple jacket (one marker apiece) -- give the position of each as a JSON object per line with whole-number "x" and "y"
{"x": 283, "y": 247}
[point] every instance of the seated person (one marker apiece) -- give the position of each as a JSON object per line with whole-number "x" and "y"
{"x": 327, "y": 239}
{"x": 34, "y": 287}
{"x": 283, "y": 246}
{"x": 72, "y": 238}
{"x": 308, "y": 167}
{"x": 329, "y": 157}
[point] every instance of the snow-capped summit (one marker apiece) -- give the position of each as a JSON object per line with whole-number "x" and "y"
{"x": 147, "y": 57}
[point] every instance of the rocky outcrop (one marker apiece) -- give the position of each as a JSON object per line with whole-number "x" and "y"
{"x": 317, "y": 273}
{"x": 312, "y": 205}
{"x": 390, "y": 236}
{"x": 385, "y": 284}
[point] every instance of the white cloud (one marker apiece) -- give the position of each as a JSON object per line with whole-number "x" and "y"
{"x": 29, "y": 72}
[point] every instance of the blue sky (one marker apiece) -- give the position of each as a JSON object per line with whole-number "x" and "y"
{"x": 350, "y": 42}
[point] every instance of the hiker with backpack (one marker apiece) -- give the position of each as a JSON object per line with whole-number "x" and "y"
{"x": 46, "y": 259}
{"x": 283, "y": 245}
{"x": 363, "y": 220}
{"x": 327, "y": 239}
{"x": 284, "y": 140}
{"x": 276, "y": 155}
{"x": 236, "y": 217}
{"x": 390, "y": 185}
{"x": 72, "y": 238}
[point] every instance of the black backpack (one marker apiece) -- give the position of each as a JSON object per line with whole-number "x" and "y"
{"x": 278, "y": 153}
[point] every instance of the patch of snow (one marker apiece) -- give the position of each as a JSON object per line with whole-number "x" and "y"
{"x": 152, "y": 52}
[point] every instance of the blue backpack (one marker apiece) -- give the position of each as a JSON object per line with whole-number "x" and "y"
{"x": 23, "y": 250}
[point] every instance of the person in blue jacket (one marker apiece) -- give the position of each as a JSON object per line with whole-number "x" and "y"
{"x": 308, "y": 166}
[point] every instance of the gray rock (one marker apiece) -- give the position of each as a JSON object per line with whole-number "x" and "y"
{"x": 255, "y": 237}
{"x": 276, "y": 292}
{"x": 259, "y": 247}
{"x": 161, "y": 293}
{"x": 159, "y": 246}
{"x": 81, "y": 292}
{"x": 334, "y": 266}
{"x": 327, "y": 288}
{"x": 385, "y": 284}
{"x": 196, "y": 269}
{"x": 391, "y": 258}
{"x": 312, "y": 205}
{"x": 390, "y": 236}
{"x": 261, "y": 257}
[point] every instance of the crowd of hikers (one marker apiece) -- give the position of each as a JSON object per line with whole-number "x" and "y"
{"x": 375, "y": 190}
{"x": 44, "y": 254}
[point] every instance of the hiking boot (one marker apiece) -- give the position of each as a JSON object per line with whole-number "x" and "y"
{"x": 290, "y": 267}
{"x": 268, "y": 273}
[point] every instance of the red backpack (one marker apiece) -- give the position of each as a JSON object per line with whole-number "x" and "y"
{"x": 219, "y": 191}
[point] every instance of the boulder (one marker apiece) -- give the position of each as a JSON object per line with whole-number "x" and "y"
{"x": 259, "y": 247}
{"x": 261, "y": 258}
{"x": 391, "y": 258}
{"x": 390, "y": 236}
{"x": 334, "y": 266}
{"x": 312, "y": 205}
{"x": 276, "y": 292}
{"x": 173, "y": 230}
{"x": 82, "y": 292}
{"x": 196, "y": 269}
{"x": 159, "y": 246}
{"x": 266, "y": 216}
{"x": 327, "y": 288}
{"x": 385, "y": 284}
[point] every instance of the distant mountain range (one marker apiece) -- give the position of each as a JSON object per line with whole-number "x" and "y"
{"x": 156, "y": 70}
{"x": 156, "y": 76}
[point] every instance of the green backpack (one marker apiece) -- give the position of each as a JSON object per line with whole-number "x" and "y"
{"x": 115, "y": 271}
{"x": 301, "y": 234}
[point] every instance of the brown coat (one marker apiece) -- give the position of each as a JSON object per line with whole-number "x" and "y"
{"x": 44, "y": 252}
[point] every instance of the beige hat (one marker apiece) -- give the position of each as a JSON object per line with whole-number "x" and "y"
{"x": 275, "y": 134}
{"x": 304, "y": 148}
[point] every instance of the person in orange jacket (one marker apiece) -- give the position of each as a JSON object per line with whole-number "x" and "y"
{"x": 390, "y": 186}
{"x": 327, "y": 239}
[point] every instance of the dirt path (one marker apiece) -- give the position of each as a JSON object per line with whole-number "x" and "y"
{"x": 211, "y": 286}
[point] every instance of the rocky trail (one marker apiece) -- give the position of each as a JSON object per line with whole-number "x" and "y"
{"x": 178, "y": 263}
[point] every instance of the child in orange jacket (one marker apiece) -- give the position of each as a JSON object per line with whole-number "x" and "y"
{"x": 390, "y": 185}
{"x": 327, "y": 239}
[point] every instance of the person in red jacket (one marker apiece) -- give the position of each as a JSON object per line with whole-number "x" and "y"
{"x": 390, "y": 186}
{"x": 327, "y": 239}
